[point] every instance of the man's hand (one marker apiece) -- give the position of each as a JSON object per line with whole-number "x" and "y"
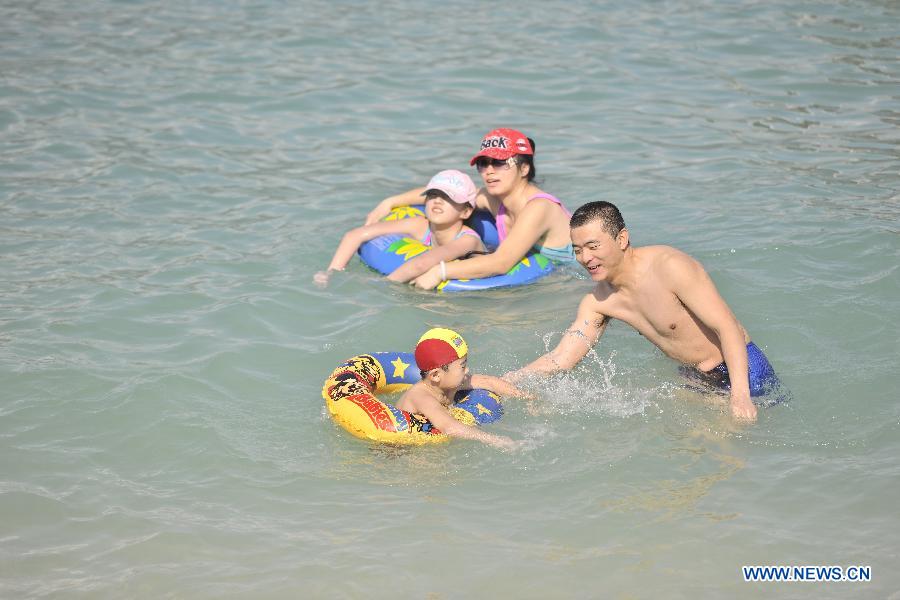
{"x": 743, "y": 409}
{"x": 321, "y": 278}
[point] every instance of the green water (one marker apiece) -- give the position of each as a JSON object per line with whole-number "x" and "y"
{"x": 172, "y": 175}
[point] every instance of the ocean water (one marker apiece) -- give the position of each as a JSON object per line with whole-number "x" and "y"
{"x": 172, "y": 175}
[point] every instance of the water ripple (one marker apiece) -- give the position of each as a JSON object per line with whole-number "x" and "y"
{"x": 171, "y": 179}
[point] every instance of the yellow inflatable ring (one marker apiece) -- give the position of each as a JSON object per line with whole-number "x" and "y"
{"x": 350, "y": 391}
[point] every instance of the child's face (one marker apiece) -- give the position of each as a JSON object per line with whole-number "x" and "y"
{"x": 441, "y": 210}
{"x": 455, "y": 374}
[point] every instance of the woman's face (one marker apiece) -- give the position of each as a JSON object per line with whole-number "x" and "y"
{"x": 500, "y": 176}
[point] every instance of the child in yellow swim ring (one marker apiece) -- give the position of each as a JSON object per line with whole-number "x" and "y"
{"x": 442, "y": 357}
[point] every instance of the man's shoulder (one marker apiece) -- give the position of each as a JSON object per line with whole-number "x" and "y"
{"x": 659, "y": 251}
{"x": 670, "y": 266}
{"x": 597, "y": 298}
{"x": 663, "y": 258}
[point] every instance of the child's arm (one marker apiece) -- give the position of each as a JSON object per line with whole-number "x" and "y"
{"x": 421, "y": 263}
{"x": 383, "y": 208}
{"x": 440, "y": 417}
{"x": 354, "y": 238}
{"x": 499, "y": 386}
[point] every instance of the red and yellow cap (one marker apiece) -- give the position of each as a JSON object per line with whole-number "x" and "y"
{"x": 438, "y": 347}
{"x": 502, "y": 143}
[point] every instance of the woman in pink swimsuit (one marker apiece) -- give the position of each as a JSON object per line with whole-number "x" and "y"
{"x": 527, "y": 218}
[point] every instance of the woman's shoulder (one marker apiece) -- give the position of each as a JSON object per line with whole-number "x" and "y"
{"x": 538, "y": 199}
{"x": 537, "y": 193}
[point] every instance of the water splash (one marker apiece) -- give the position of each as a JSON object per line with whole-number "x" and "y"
{"x": 595, "y": 386}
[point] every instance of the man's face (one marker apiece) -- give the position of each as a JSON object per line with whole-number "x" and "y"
{"x": 597, "y": 250}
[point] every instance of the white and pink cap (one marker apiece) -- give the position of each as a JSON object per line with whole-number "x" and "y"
{"x": 457, "y": 185}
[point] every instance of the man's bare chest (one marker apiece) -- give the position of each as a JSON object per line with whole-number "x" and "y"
{"x": 656, "y": 313}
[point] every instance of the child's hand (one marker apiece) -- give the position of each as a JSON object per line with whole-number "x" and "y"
{"x": 321, "y": 278}
{"x": 526, "y": 395}
{"x": 514, "y": 379}
{"x": 508, "y": 389}
{"x": 498, "y": 385}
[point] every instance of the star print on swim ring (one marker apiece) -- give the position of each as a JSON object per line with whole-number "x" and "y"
{"x": 350, "y": 395}
{"x": 387, "y": 252}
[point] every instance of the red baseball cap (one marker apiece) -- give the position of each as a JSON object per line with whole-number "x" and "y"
{"x": 502, "y": 143}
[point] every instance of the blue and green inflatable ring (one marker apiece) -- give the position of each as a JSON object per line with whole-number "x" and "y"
{"x": 387, "y": 252}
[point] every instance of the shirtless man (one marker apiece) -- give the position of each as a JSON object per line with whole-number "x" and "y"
{"x": 669, "y": 298}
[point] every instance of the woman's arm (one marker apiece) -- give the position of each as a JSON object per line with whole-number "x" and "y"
{"x": 354, "y": 238}
{"x": 482, "y": 202}
{"x": 530, "y": 226}
{"x": 421, "y": 263}
{"x": 383, "y": 208}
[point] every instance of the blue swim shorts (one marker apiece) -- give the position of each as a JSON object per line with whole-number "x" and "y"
{"x": 762, "y": 376}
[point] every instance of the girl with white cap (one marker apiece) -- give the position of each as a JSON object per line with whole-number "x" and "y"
{"x": 449, "y": 200}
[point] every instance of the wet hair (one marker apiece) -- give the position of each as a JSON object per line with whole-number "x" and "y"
{"x": 528, "y": 159}
{"x": 605, "y": 212}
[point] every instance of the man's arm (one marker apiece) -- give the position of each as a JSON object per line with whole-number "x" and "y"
{"x": 696, "y": 290}
{"x": 576, "y": 341}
